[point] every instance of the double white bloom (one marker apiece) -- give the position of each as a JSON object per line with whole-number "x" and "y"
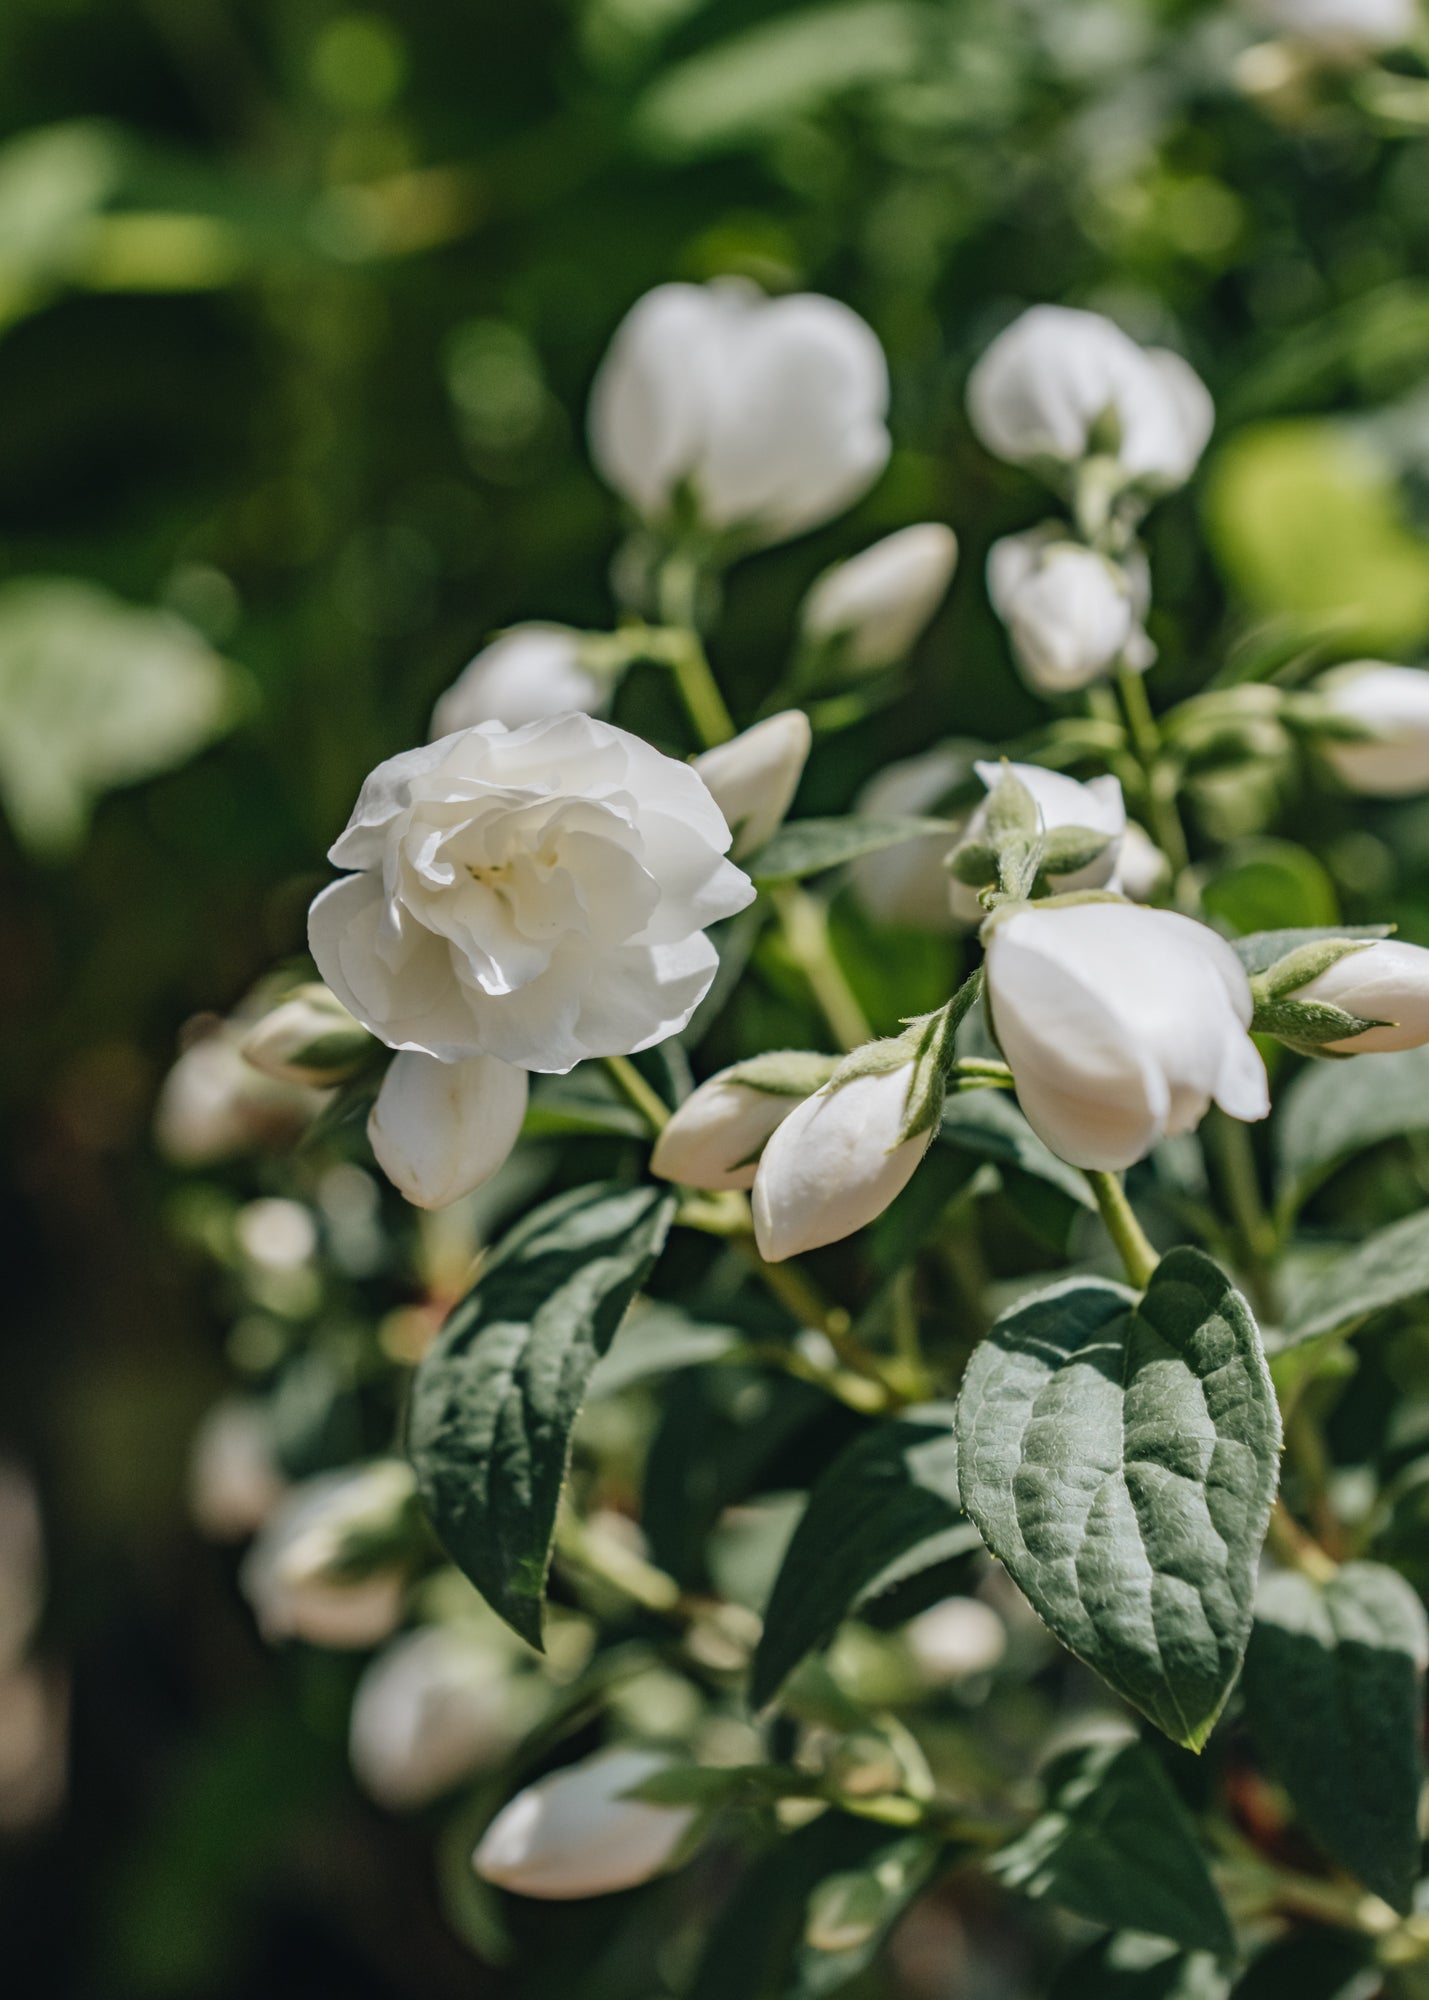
{"x": 767, "y": 415}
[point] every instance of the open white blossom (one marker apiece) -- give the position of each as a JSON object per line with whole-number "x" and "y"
{"x": 1121, "y": 1025}
{"x": 908, "y": 884}
{"x": 1386, "y": 981}
{"x": 440, "y": 1129}
{"x": 525, "y": 674}
{"x": 576, "y": 1834}
{"x": 431, "y": 1710}
{"x": 1060, "y": 385}
{"x": 1072, "y": 614}
{"x": 317, "y": 1570}
{"x": 1394, "y": 703}
{"x": 879, "y": 601}
{"x": 768, "y": 413}
{"x": 537, "y": 894}
{"x": 1344, "y": 29}
{"x": 753, "y": 778}
{"x": 835, "y": 1163}
{"x": 1061, "y": 802}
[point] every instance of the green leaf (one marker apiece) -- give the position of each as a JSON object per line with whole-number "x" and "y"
{"x": 1317, "y": 1965}
{"x": 1270, "y": 880}
{"x": 1115, "y": 1845}
{"x": 989, "y": 1124}
{"x": 658, "y": 1340}
{"x": 1387, "y": 1269}
{"x": 495, "y": 1400}
{"x": 1334, "y": 1689}
{"x": 1120, "y": 1457}
{"x": 1132, "y": 1966}
{"x": 1259, "y": 951}
{"x": 581, "y": 1104}
{"x": 809, "y": 846}
{"x": 885, "y": 1508}
{"x": 850, "y": 1914}
{"x": 1334, "y": 1109}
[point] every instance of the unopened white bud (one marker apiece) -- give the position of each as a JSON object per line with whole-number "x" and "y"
{"x": 908, "y": 884}
{"x": 525, "y": 675}
{"x": 308, "y": 1038}
{"x": 577, "y": 1834}
{"x": 956, "y": 1640}
{"x": 1070, "y": 612}
{"x": 1393, "y": 703}
{"x": 431, "y": 1710}
{"x": 1061, "y": 802}
{"x": 438, "y": 1129}
{"x": 835, "y": 1163}
{"x": 1344, "y": 30}
{"x": 1386, "y": 981}
{"x": 214, "y": 1104}
{"x": 753, "y": 777}
{"x": 1142, "y": 870}
{"x": 714, "y": 1140}
{"x": 234, "y": 1478}
{"x": 877, "y": 604}
{"x": 330, "y": 1565}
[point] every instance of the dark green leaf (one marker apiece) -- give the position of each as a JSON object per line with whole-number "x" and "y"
{"x": 1385, "y": 1270}
{"x": 1259, "y": 951}
{"x": 988, "y": 1124}
{"x": 1334, "y": 1109}
{"x": 657, "y": 1341}
{"x": 1115, "y": 1845}
{"x": 1121, "y": 1458}
{"x": 809, "y": 846}
{"x": 1317, "y": 1965}
{"x": 1271, "y": 879}
{"x": 849, "y": 1914}
{"x": 1131, "y": 1966}
{"x": 1334, "y": 1695}
{"x": 886, "y": 1508}
{"x": 494, "y": 1402}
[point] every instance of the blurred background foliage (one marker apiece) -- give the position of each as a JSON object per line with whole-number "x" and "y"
{"x": 299, "y": 305}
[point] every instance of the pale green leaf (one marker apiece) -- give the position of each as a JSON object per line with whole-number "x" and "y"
{"x": 1334, "y": 1109}
{"x": 809, "y": 846}
{"x": 1387, "y": 1269}
{"x": 989, "y": 1124}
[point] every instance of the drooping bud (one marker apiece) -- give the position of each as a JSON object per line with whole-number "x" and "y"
{"x": 715, "y": 1138}
{"x": 308, "y": 1038}
{"x": 214, "y": 1104}
{"x": 753, "y": 778}
{"x": 1346, "y": 996}
{"x": 872, "y": 609}
{"x": 577, "y": 1833}
{"x": 332, "y": 1562}
{"x": 439, "y": 1130}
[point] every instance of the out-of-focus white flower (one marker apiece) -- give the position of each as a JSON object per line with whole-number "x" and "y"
{"x": 1383, "y": 981}
{"x": 1060, "y": 385}
{"x": 276, "y": 1234}
{"x": 1120, "y": 1024}
{"x": 235, "y": 1481}
{"x": 34, "y": 1745}
{"x": 753, "y": 778}
{"x": 956, "y": 1640}
{"x": 1394, "y": 703}
{"x": 328, "y": 1565}
{"x": 714, "y": 1139}
{"x": 22, "y": 1562}
{"x": 432, "y": 1709}
{"x": 1344, "y": 29}
{"x": 439, "y": 1129}
{"x": 308, "y": 1038}
{"x": 877, "y": 604}
{"x": 767, "y": 413}
{"x": 214, "y": 1104}
{"x": 576, "y": 1834}
{"x": 908, "y": 884}
{"x": 537, "y": 894}
{"x": 1073, "y": 615}
{"x": 1061, "y": 802}
{"x": 835, "y": 1163}
{"x": 525, "y": 675}
{"x": 1142, "y": 870}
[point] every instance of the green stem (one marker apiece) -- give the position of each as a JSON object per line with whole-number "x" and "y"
{"x": 1157, "y": 773}
{"x": 1123, "y": 1228}
{"x": 806, "y": 934}
{"x": 1296, "y": 1549}
{"x": 637, "y": 1092}
{"x": 1241, "y": 1182}
{"x": 685, "y": 653}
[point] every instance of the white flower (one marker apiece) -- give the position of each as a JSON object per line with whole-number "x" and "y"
{"x": 576, "y": 1834}
{"x": 1384, "y": 981}
{"x": 1060, "y": 385}
{"x": 1345, "y": 28}
{"x": 835, "y": 1163}
{"x": 878, "y": 602}
{"x": 1121, "y": 1024}
{"x": 1142, "y": 870}
{"x": 1394, "y": 703}
{"x": 439, "y": 1129}
{"x": 753, "y": 778}
{"x": 714, "y": 1139}
{"x": 308, "y": 1038}
{"x": 769, "y": 413}
{"x": 1071, "y": 613}
{"x": 537, "y": 894}
{"x": 1061, "y": 802}
{"x": 432, "y": 1709}
{"x": 213, "y": 1104}
{"x": 235, "y": 1481}
{"x": 908, "y": 884}
{"x": 327, "y": 1565}
{"x": 956, "y": 1640}
{"x": 524, "y": 675}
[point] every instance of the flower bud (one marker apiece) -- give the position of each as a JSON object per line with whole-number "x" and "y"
{"x": 1120, "y": 1025}
{"x": 1063, "y": 805}
{"x": 1142, "y": 871}
{"x": 956, "y": 1641}
{"x": 1384, "y": 982}
{"x": 234, "y": 1478}
{"x": 214, "y": 1104}
{"x": 908, "y": 884}
{"x": 875, "y": 606}
{"x": 753, "y": 778}
{"x": 577, "y": 1834}
{"x": 1344, "y": 30}
{"x": 524, "y": 675}
{"x": 1059, "y": 386}
{"x": 431, "y": 1710}
{"x": 1391, "y": 706}
{"x": 439, "y": 1129}
{"x": 330, "y": 1565}
{"x": 842, "y": 1156}
{"x": 1071, "y": 613}
{"x": 308, "y": 1038}
{"x": 714, "y": 1139}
